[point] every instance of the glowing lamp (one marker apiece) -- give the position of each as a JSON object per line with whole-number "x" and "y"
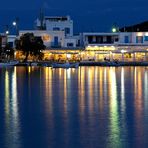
{"x": 14, "y": 23}
{"x": 114, "y": 30}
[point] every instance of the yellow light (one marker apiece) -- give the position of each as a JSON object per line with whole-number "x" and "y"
{"x": 29, "y": 69}
{"x": 68, "y": 55}
{"x": 123, "y": 51}
{"x": 139, "y": 34}
{"x": 46, "y": 38}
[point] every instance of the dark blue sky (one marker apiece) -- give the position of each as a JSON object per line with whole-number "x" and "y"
{"x": 88, "y": 15}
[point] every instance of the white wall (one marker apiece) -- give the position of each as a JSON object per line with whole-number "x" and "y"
{"x": 122, "y": 37}
{"x": 11, "y": 39}
{"x": 70, "y": 40}
{"x": 132, "y": 37}
{"x": 47, "y": 36}
{"x": 61, "y": 24}
{"x": 84, "y": 36}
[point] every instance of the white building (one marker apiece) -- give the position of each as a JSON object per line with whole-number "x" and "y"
{"x": 3, "y": 39}
{"x": 119, "y": 38}
{"x": 91, "y": 38}
{"x": 57, "y": 23}
{"x": 11, "y": 40}
{"x": 126, "y": 46}
{"x": 135, "y": 38}
{"x": 51, "y": 39}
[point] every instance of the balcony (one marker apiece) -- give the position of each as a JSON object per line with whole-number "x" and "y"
{"x": 55, "y": 45}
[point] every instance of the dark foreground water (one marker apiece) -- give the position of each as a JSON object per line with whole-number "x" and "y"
{"x": 89, "y": 107}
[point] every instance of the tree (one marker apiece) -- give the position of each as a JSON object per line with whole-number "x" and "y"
{"x": 30, "y": 44}
{"x": 38, "y": 46}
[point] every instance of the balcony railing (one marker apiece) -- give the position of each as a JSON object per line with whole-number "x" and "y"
{"x": 55, "y": 45}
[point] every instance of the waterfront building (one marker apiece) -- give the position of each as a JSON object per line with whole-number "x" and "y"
{"x": 59, "y": 23}
{"x": 3, "y": 40}
{"x": 61, "y": 43}
{"x": 11, "y": 40}
{"x": 51, "y": 39}
{"x": 56, "y": 23}
{"x": 122, "y": 46}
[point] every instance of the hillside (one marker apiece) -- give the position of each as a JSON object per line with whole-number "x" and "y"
{"x": 142, "y": 27}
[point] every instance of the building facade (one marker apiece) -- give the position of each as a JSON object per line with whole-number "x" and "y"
{"x": 51, "y": 39}
{"x": 58, "y": 37}
{"x": 57, "y": 23}
{"x": 122, "y": 46}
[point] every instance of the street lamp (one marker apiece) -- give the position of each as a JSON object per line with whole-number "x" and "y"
{"x": 7, "y": 32}
{"x": 15, "y": 24}
{"x": 114, "y": 30}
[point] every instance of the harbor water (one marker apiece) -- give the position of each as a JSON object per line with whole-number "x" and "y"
{"x": 87, "y": 107}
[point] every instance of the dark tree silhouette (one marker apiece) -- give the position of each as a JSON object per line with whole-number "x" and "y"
{"x": 142, "y": 27}
{"x": 30, "y": 44}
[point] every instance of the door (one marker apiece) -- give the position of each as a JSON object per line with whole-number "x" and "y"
{"x": 56, "y": 41}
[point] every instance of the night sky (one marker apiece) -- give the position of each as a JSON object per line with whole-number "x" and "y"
{"x": 88, "y": 15}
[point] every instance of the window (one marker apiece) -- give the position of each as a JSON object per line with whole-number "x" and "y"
{"x": 10, "y": 44}
{"x": 139, "y": 39}
{"x": 46, "y": 38}
{"x": 67, "y": 31}
{"x": 126, "y": 39}
{"x": 56, "y": 40}
{"x": 56, "y": 29}
{"x": 69, "y": 44}
{"x": 146, "y": 38}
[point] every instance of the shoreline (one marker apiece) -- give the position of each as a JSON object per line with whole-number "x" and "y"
{"x": 87, "y": 63}
{"x": 114, "y": 64}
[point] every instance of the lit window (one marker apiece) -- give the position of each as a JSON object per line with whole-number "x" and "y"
{"x": 46, "y": 38}
{"x": 139, "y": 39}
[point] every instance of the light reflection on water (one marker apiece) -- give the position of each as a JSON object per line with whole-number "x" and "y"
{"x": 85, "y": 107}
{"x": 12, "y": 127}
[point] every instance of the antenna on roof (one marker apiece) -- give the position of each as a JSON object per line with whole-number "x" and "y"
{"x": 41, "y": 16}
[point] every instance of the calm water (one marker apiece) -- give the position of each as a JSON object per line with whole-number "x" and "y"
{"x": 89, "y": 107}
